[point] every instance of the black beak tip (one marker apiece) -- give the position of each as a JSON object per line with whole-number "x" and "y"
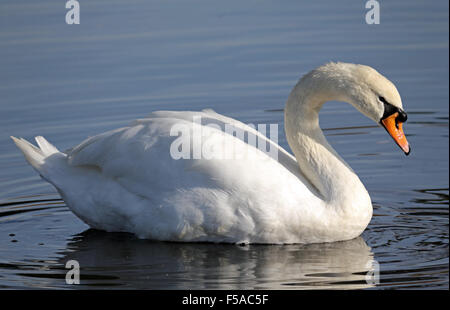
{"x": 409, "y": 151}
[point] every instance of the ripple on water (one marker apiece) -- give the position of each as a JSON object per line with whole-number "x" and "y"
{"x": 47, "y": 236}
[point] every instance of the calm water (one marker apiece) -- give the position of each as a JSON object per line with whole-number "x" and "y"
{"x": 240, "y": 58}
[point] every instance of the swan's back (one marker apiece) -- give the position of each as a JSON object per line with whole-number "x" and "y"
{"x": 130, "y": 182}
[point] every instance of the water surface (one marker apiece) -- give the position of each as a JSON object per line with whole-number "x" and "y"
{"x": 240, "y": 58}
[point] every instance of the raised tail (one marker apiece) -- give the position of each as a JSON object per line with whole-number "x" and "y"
{"x": 36, "y": 155}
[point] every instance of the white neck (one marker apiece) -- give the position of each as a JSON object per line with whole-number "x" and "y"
{"x": 336, "y": 182}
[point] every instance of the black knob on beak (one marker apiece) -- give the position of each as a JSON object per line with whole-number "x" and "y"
{"x": 402, "y": 117}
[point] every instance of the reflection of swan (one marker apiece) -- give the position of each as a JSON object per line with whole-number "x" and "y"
{"x": 127, "y": 180}
{"x": 122, "y": 260}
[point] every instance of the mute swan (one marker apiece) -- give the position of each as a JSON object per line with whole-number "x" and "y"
{"x": 127, "y": 180}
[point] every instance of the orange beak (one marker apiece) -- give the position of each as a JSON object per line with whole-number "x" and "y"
{"x": 395, "y": 130}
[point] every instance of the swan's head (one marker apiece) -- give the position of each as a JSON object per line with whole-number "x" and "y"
{"x": 370, "y": 92}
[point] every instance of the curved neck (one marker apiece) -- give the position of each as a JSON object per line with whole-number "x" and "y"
{"x": 324, "y": 168}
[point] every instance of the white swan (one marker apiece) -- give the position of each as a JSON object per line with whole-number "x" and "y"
{"x": 127, "y": 180}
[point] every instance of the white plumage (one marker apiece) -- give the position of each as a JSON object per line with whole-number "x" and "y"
{"x": 127, "y": 180}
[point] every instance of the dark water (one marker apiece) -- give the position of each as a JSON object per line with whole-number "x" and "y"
{"x": 240, "y": 58}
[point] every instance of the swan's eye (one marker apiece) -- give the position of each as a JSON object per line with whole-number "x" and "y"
{"x": 382, "y": 99}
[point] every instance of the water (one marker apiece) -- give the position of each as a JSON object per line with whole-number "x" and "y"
{"x": 240, "y": 58}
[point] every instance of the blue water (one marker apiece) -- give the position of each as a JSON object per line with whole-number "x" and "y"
{"x": 240, "y": 58}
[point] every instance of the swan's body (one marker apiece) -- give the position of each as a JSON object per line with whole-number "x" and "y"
{"x": 127, "y": 179}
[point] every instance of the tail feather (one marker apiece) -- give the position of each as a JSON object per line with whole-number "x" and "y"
{"x": 46, "y": 147}
{"x": 34, "y": 155}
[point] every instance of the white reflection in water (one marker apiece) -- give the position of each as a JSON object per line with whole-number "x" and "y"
{"x": 118, "y": 259}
